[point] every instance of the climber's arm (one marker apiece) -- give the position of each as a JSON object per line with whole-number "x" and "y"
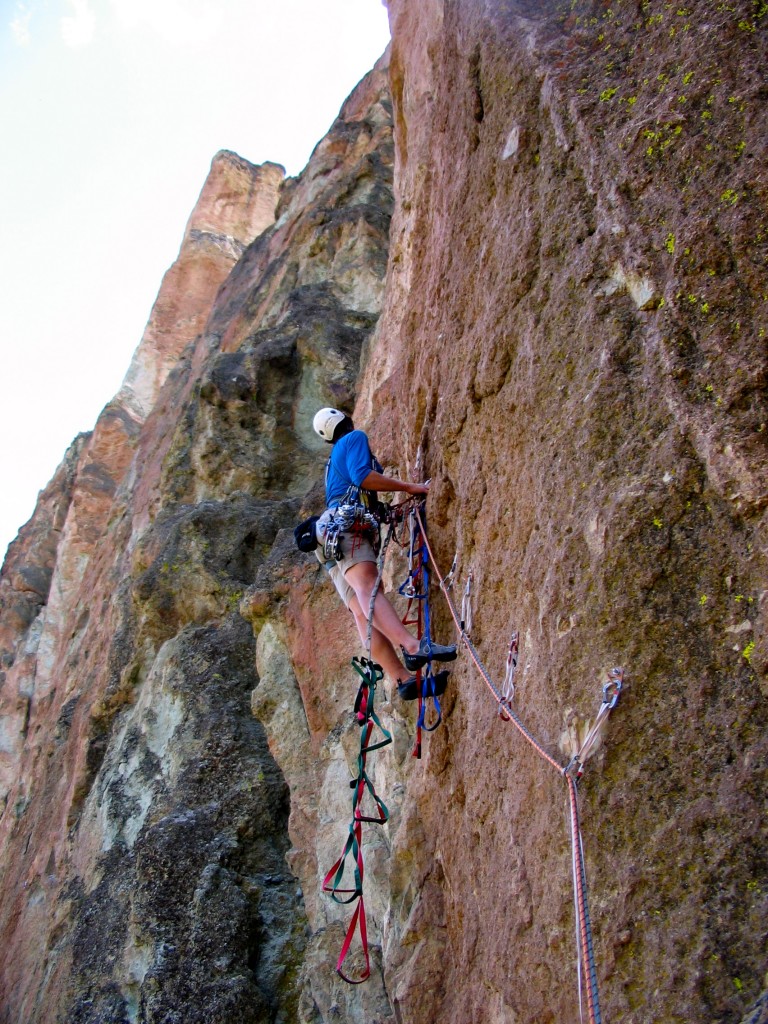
{"x": 379, "y": 482}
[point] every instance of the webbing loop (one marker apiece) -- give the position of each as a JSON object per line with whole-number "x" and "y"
{"x": 370, "y": 675}
{"x": 334, "y": 888}
{"x": 410, "y": 587}
{"x": 362, "y": 783}
{"x": 427, "y": 689}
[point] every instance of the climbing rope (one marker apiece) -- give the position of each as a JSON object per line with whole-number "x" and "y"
{"x": 585, "y": 955}
{"x": 587, "y": 973}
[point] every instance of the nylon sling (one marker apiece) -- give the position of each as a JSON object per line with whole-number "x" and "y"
{"x": 370, "y": 675}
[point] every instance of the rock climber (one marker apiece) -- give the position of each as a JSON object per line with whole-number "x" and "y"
{"x": 353, "y": 475}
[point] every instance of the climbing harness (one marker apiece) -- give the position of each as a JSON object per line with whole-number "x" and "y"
{"x": 352, "y": 518}
{"x": 370, "y": 675}
{"x": 587, "y": 973}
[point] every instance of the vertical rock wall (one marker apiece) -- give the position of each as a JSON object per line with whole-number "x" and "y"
{"x": 576, "y": 346}
{"x": 572, "y": 346}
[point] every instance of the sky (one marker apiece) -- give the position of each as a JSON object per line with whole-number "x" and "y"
{"x": 110, "y": 114}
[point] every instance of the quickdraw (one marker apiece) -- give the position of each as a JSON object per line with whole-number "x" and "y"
{"x": 611, "y": 690}
{"x": 508, "y": 690}
{"x": 466, "y": 605}
{"x": 449, "y": 579}
{"x": 370, "y": 674}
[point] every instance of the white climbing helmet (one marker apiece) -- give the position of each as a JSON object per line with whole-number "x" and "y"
{"x": 326, "y": 421}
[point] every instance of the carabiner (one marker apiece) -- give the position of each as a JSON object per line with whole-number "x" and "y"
{"x": 612, "y": 688}
{"x": 448, "y": 581}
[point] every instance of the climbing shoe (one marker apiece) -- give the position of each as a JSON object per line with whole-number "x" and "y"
{"x": 428, "y": 652}
{"x": 409, "y": 689}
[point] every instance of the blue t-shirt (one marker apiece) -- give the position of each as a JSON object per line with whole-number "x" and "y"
{"x": 350, "y": 463}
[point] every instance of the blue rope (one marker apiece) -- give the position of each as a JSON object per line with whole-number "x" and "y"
{"x": 428, "y": 680}
{"x": 425, "y": 573}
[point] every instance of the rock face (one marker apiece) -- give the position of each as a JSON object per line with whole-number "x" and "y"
{"x": 561, "y": 327}
{"x": 587, "y": 345}
{"x": 72, "y": 658}
{"x": 236, "y": 204}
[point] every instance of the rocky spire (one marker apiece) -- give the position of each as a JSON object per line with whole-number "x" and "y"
{"x": 237, "y": 203}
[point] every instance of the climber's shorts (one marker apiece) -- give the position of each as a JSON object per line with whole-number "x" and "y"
{"x": 346, "y": 593}
{"x": 354, "y": 549}
{"x": 361, "y": 551}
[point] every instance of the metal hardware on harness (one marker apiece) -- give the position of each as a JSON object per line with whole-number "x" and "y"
{"x": 332, "y": 542}
{"x": 347, "y": 518}
{"x": 350, "y": 515}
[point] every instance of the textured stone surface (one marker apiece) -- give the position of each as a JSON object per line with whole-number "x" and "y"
{"x": 599, "y": 460}
{"x": 759, "y": 1012}
{"x": 572, "y": 347}
{"x": 145, "y": 831}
